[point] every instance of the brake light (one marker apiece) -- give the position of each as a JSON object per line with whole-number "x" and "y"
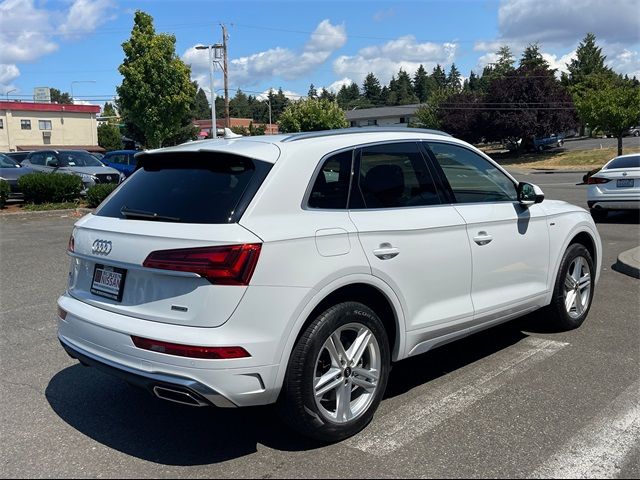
{"x": 224, "y": 265}
{"x": 71, "y": 247}
{"x": 597, "y": 180}
{"x": 211, "y": 353}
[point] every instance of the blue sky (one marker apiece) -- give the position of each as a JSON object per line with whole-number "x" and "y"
{"x": 292, "y": 44}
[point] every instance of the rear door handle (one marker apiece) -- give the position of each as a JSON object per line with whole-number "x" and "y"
{"x": 386, "y": 251}
{"x": 483, "y": 238}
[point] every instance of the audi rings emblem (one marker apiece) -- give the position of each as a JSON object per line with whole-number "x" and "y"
{"x": 101, "y": 247}
{"x": 109, "y": 178}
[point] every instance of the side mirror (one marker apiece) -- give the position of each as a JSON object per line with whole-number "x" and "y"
{"x": 529, "y": 194}
{"x": 53, "y": 163}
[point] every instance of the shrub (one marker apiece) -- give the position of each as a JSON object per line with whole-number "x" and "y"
{"x": 50, "y": 187}
{"x": 4, "y": 191}
{"x": 97, "y": 193}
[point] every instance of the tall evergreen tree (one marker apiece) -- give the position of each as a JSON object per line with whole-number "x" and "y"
{"x": 403, "y": 88}
{"x": 504, "y": 64}
{"x": 422, "y": 84}
{"x": 439, "y": 77}
{"x": 62, "y": 98}
{"x": 312, "y": 93}
{"x": 532, "y": 59}
{"x": 589, "y": 60}
{"x": 201, "y": 107}
{"x": 371, "y": 89}
{"x": 454, "y": 83}
{"x": 239, "y": 106}
{"x": 327, "y": 95}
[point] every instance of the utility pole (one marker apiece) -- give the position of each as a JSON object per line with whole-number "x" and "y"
{"x": 226, "y": 76}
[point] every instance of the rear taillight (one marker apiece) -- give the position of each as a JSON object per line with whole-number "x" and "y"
{"x": 71, "y": 247}
{"x": 224, "y": 265}
{"x": 190, "y": 351}
{"x": 62, "y": 313}
{"x": 597, "y": 180}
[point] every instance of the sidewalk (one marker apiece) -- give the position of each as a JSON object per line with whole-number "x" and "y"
{"x": 629, "y": 262}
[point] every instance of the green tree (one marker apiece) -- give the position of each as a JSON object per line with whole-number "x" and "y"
{"x": 454, "y": 82}
{"x": 608, "y": 103}
{"x": 403, "y": 89}
{"x": 422, "y": 84}
{"x": 239, "y": 105}
{"x": 201, "y": 108}
{"x": 371, "y": 89}
{"x": 428, "y": 114}
{"x": 439, "y": 77}
{"x": 109, "y": 113}
{"x": 312, "y": 93}
{"x": 589, "y": 60}
{"x": 312, "y": 115}
{"x": 348, "y": 96}
{"x": 327, "y": 95}
{"x": 532, "y": 59}
{"x": 59, "y": 97}
{"x": 156, "y": 94}
{"x": 109, "y": 137}
{"x": 504, "y": 64}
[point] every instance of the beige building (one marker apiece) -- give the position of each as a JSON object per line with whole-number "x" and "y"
{"x": 37, "y": 126}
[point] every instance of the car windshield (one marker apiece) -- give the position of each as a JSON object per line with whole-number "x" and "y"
{"x": 625, "y": 162}
{"x": 78, "y": 159}
{"x": 6, "y": 162}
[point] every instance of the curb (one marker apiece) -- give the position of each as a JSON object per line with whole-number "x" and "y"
{"x": 629, "y": 262}
{"x": 48, "y": 213}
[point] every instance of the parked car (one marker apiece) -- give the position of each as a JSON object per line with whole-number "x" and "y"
{"x": 18, "y": 157}
{"x": 77, "y": 162}
{"x": 552, "y": 141}
{"x": 295, "y": 268}
{"x": 635, "y": 131}
{"x": 98, "y": 155}
{"x": 121, "y": 160}
{"x": 615, "y": 187}
{"x": 11, "y": 172}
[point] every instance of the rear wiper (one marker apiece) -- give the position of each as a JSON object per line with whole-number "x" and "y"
{"x": 131, "y": 213}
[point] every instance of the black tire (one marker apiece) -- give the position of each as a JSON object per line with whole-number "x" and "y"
{"x": 599, "y": 213}
{"x": 297, "y": 404}
{"x": 557, "y": 310}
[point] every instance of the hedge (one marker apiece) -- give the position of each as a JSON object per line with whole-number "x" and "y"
{"x": 97, "y": 193}
{"x": 50, "y": 187}
{"x": 4, "y": 192}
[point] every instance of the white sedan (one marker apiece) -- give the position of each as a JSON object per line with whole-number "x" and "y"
{"x": 615, "y": 187}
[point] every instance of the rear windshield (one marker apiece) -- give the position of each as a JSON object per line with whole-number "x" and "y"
{"x": 625, "y": 162}
{"x": 187, "y": 188}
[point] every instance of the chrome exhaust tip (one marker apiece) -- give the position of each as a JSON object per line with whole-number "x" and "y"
{"x": 183, "y": 397}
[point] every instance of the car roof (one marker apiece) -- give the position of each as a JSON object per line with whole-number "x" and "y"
{"x": 120, "y": 152}
{"x": 269, "y": 147}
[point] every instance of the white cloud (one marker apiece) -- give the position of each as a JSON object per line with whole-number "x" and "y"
{"x": 287, "y": 93}
{"x": 27, "y": 29}
{"x": 275, "y": 62}
{"x": 383, "y": 14}
{"x": 626, "y": 62}
{"x": 8, "y": 73}
{"x": 559, "y": 62}
{"x": 564, "y": 21}
{"x": 337, "y": 85}
{"x": 85, "y": 16}
{"x": 385, "y": 60}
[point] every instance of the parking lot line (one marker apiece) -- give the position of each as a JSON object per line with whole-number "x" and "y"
{"x": 599, "y": 449}
{"x": 425, "y": 412}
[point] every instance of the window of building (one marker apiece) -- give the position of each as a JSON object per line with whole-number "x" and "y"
{"x": 372, "y": 123}
{"x": 25, "y": 124}
{"x": 353, "y": 123}
{"x": 1, "y": 123}
{"x": 403, "y": 119}
{"x": 44, "y": 124}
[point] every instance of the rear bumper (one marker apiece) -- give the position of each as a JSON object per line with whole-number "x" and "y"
{"x": 621, "y": 204}
{"x": 152, "y": 382}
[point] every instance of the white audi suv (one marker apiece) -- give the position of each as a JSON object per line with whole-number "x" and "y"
{"x": 294, "y": 269}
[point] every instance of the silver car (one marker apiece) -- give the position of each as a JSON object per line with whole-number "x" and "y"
{"x": 77, "y": 162}
{"x": 11, "y": 172}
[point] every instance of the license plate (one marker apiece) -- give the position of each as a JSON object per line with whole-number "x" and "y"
{"x": 625, "y": 183}
{"x": 108, "y": 282}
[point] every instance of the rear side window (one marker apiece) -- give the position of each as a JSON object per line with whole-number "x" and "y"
{"x": 188, "y": 188}
{"x": 331, "y": 187}
{"x": 394, "y": 175}
{"x": 625, "y": 162}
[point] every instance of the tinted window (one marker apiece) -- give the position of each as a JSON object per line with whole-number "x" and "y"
{"x": 71, "y": 158}
{"x": 188, "y": 188}
{"x": 472, "y": 178}
{"x": 625, "y": 162}
{"x": 331, "y": 188}
{"x": 6, "y": 162}
{"x": 120, "y": 159}
{"x": 394, "y": 175}
{"x": 37, "y": 159}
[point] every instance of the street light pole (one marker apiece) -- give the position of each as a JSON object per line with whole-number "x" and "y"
{"x": 7, "y": 93}
{"x": 214, "y": 127}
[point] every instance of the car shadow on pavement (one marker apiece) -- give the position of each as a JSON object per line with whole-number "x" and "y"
{"x": 132, "y": 421}
{"x": 621, "y": 217}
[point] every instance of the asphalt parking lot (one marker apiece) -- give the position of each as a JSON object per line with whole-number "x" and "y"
{"x": 519, "y": 400}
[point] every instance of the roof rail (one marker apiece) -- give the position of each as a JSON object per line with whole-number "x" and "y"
{"x": 346, "y": 131}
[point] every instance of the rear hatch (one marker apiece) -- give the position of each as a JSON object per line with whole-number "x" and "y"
{"x": 166, "y": 245}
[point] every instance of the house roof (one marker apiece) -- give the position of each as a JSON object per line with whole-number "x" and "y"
{"x": 382, "y": 112}
{"x": 48, "y": 107}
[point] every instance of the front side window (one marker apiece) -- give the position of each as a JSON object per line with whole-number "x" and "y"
{"x": 25, "y": 124}
{"x": 37, "y": 159}
{"x": 44, "y": 124}
{"x": 331, "y": 187}
{"x": 472, "y": 178}
{"x": 119, "y": 159}
{"x": 394, "y": 175}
